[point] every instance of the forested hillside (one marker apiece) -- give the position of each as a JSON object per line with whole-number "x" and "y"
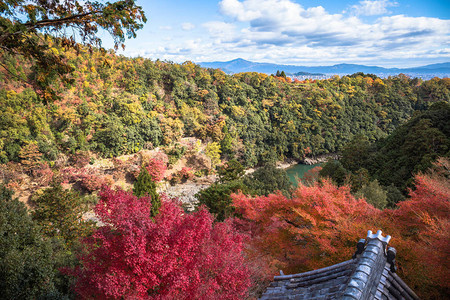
{"x": 116, "y": 105}
{"x": 391, "y": 163}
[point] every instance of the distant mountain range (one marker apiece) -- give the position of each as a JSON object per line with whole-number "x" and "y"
{"x": 241, "y": 65}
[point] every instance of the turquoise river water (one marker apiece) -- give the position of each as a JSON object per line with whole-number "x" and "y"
{"x": 297, "y": 171}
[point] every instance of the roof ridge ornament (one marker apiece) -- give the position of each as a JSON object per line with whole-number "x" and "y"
{"x": 371, "y": 236}
{"x": 391, "y": 254}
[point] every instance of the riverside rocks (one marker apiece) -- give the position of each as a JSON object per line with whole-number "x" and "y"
{"x": 185, "y": 192}
{"x": 319, "y": 159}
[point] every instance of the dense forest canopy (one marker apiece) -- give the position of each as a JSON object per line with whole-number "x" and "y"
{"x": 393, "y": 161}
{"x": 117, "y": 105}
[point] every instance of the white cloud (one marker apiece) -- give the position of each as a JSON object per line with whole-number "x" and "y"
{"x": 271, "y": 11}
{"x": 289, "y": 31}
{"x": 372, "y": 7}
{"x": 221, "y": 30}
{"x": 236, "y": 9}
{"x": 283, "y": 17}
{"x": 187, "y": 26}
{"x": 165, "y": 27}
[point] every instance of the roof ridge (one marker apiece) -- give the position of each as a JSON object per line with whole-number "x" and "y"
{"x": 369, "y": 268}
{"x": 371, "y": 236}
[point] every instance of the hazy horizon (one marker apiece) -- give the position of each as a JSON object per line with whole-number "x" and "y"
{"x": 318, "y": 64}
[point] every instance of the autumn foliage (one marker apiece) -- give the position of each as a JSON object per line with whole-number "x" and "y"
{"x": 316, "y": 228}
{"x": 171, "y": 256}
{"x": 182, "y": 176}
{"x": 86, "y": 178}
{"x": 156, "y": 168}
{"x": 421, "y": 226}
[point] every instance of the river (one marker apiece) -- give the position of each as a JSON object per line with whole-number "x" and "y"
{"x": 298, "y": 171}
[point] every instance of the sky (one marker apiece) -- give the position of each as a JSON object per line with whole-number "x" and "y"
{"x": 401, "y": 33}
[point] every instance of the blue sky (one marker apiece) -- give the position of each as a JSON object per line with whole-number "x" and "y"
{"x": 311, "y": 32}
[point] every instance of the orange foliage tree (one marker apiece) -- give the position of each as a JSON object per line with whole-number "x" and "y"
{"x": 317, "y": 227}
{"x": 420, "y": 233}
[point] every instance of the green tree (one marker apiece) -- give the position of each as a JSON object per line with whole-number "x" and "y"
{"x": 226, "y": 144}
{"x": 268, "y": 179}
{"x": 355, "y": 153}
{"x": 360, "y": 178}
{"x": 145, "y": 186}
{"x": 213, "y": 152}
{"x": 334, "y": 170}
{"x": 231, "y": 170}
{"x": 60, "y": 212}
{"x": 393, "y": 196}
{"x": 217, "y": 198}
{"x": 374, "y": 194}
{"x": 27, "y": 264}
{"x": 111, "y": 140}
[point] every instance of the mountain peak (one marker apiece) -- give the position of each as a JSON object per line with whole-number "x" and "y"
{"x": 239, "y": 60}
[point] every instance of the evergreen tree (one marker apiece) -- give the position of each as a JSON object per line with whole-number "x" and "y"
{"x": 355, "y": 153}
{"x": 394, "y": 196}
{"x": 27, "y": 267}
{"x": 59, "y": 213}
{"x": 217, "y": 198}
{"x": 232, "y": 170}
{"x": 334, "y": 170}
{"x": 146, "y": 186}
{"x": 267, "y": 180}
{"x": 374, "y": 194}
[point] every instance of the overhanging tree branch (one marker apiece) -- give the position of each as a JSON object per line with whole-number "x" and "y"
{"x": 54, "y": 22}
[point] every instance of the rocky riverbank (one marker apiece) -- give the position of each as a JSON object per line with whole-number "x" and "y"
{"x": 319, "y": 159}
{"x": 286, "y": 164}
{"x": 185, "y": 192}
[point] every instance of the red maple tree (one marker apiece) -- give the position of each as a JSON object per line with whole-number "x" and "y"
{"x": 172, "y": 256}
{"x": 156, "y": 168}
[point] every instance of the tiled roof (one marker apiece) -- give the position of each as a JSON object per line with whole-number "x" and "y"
{"x": 370, "y": 274}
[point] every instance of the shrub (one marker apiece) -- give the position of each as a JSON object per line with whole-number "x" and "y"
{"x": 156, "y": 168}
